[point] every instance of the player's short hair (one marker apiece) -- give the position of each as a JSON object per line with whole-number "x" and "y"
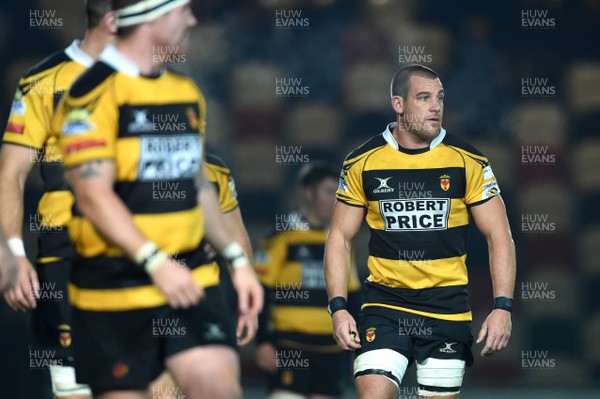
{"x": 95, "y": 10}
{"x": 401, "y": 80}
{"x": 313, "y": 173}
{"x": 124, "y": 31}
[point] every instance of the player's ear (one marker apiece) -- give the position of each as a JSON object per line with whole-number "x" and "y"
{"x": 110, "y": 21}
{"x": 398, "y": 104}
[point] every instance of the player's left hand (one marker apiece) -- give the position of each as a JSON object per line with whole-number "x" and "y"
{"x": 246, "y": 329}
{"x": 497, "y": 326}
{"x": 250, "y": 293}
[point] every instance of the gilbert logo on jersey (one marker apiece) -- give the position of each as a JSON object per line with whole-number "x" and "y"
{"x": 415, "y": 214}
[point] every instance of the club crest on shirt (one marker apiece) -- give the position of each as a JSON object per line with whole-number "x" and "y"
{"x": 64, "y": 335}
{"x": 445, "y": 182}
{"x": 370, "y": 334}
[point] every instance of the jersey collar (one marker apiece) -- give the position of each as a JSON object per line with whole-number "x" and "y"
{"x": 75, "y": 53}
{"x": 389, "y": 138}
{"x": 113, "y": 57}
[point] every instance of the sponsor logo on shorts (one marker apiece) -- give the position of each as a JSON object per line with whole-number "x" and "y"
{"x": 415, "y": 214}
{"x": 448, "y": 347}
{"x": 120, "y": 370}
{"x": 64, "y": 335}
{"x": 370, "y": 334}
{"x": 214, "y": 332}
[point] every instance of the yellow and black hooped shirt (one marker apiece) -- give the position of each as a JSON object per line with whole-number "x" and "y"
{"x": 417, "y": 205}
{"x": 152, "y": 128}
{"x": 290, "y": 266}
{"x": 29, "y": 125}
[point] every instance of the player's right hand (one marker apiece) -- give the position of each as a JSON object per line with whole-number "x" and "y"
{"x": 345, "y": 331}
{"x": 266, "y": 357}
{"x": 26, "y": 289}
{"x": 9, "y": 271}
{"x": 176, "y": 282}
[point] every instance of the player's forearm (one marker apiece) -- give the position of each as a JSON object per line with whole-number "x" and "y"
{"x": 502, "y": 263}
{"x": 337, "y": 265}
{"x": 240, "y": 234}
{"x": 216, "y": 230}
{"x": 12, "y": 186}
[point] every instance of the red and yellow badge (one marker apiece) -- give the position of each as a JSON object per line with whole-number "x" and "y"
{"x": 120, "y": 370}
{"x": 64, "y": 335}
{"x": 192, "y": 117}
{"x": 370, "y": 334}
{"x": 445, "y": 182}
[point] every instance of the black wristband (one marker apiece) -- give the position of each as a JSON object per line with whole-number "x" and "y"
{"x": 337, "y": 303}
{"x": 504, "y": 303}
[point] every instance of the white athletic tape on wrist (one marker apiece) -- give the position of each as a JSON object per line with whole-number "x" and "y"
{"x": 442, "y": 373}
{"x": 235, "y": 255}
{"x": 64, "y": 382}
{"x": 16, "y": 246}
{"x": 154, "y": 262}
{"x": 145, "y": 11}
{"x": 144, "y": 252}
{"x": 386, "y": 360}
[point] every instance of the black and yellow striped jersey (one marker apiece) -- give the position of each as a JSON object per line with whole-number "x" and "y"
{"x": 217, "y": 172}
{"x": 289, "y": 264}
{"x": 29, "y": 125}
{"x": 417, "y": 210}
{"x": 152, "y": 128}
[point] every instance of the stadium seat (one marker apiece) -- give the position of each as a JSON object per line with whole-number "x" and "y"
{"x": 582, "y": 86}
{"x": 314, "y": 124}
{"x": 589, "y": 250}
{"x": 255, "y": 166}
{"x": 551, "y": 294}
{"x": 590, "y": 334}
{"x": 253, "y": 86}
{"x": 539, "y": 123}
{"x": 366, "y": 86}
{"x": 585, "y": 170}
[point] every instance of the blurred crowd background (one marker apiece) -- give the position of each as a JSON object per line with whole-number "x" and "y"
{"x": 311, "y": 77}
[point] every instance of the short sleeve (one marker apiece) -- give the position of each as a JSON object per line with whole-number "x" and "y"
{"x": 350, "y": 190}
{"x": 481, "y": 182}
{"x": 29, "y": 120}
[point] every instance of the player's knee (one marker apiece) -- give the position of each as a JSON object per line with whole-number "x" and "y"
{"x": 440, "y": 377}
{"x": 385, "y": 362}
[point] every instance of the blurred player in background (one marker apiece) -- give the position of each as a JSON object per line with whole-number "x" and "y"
{"x": 417, "y": 184}
{"x": 28, "y": 139}
{"x": 290, "y": 266}
{"x": 9, "y": 268}
{"x": 142, "y": 298}
{"x": 218, "y": 173}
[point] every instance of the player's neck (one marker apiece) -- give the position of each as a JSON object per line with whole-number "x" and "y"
{"x": 94, "y": 42}
{"x": 409, "y": 140}
{"x": 139, "y": 50}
